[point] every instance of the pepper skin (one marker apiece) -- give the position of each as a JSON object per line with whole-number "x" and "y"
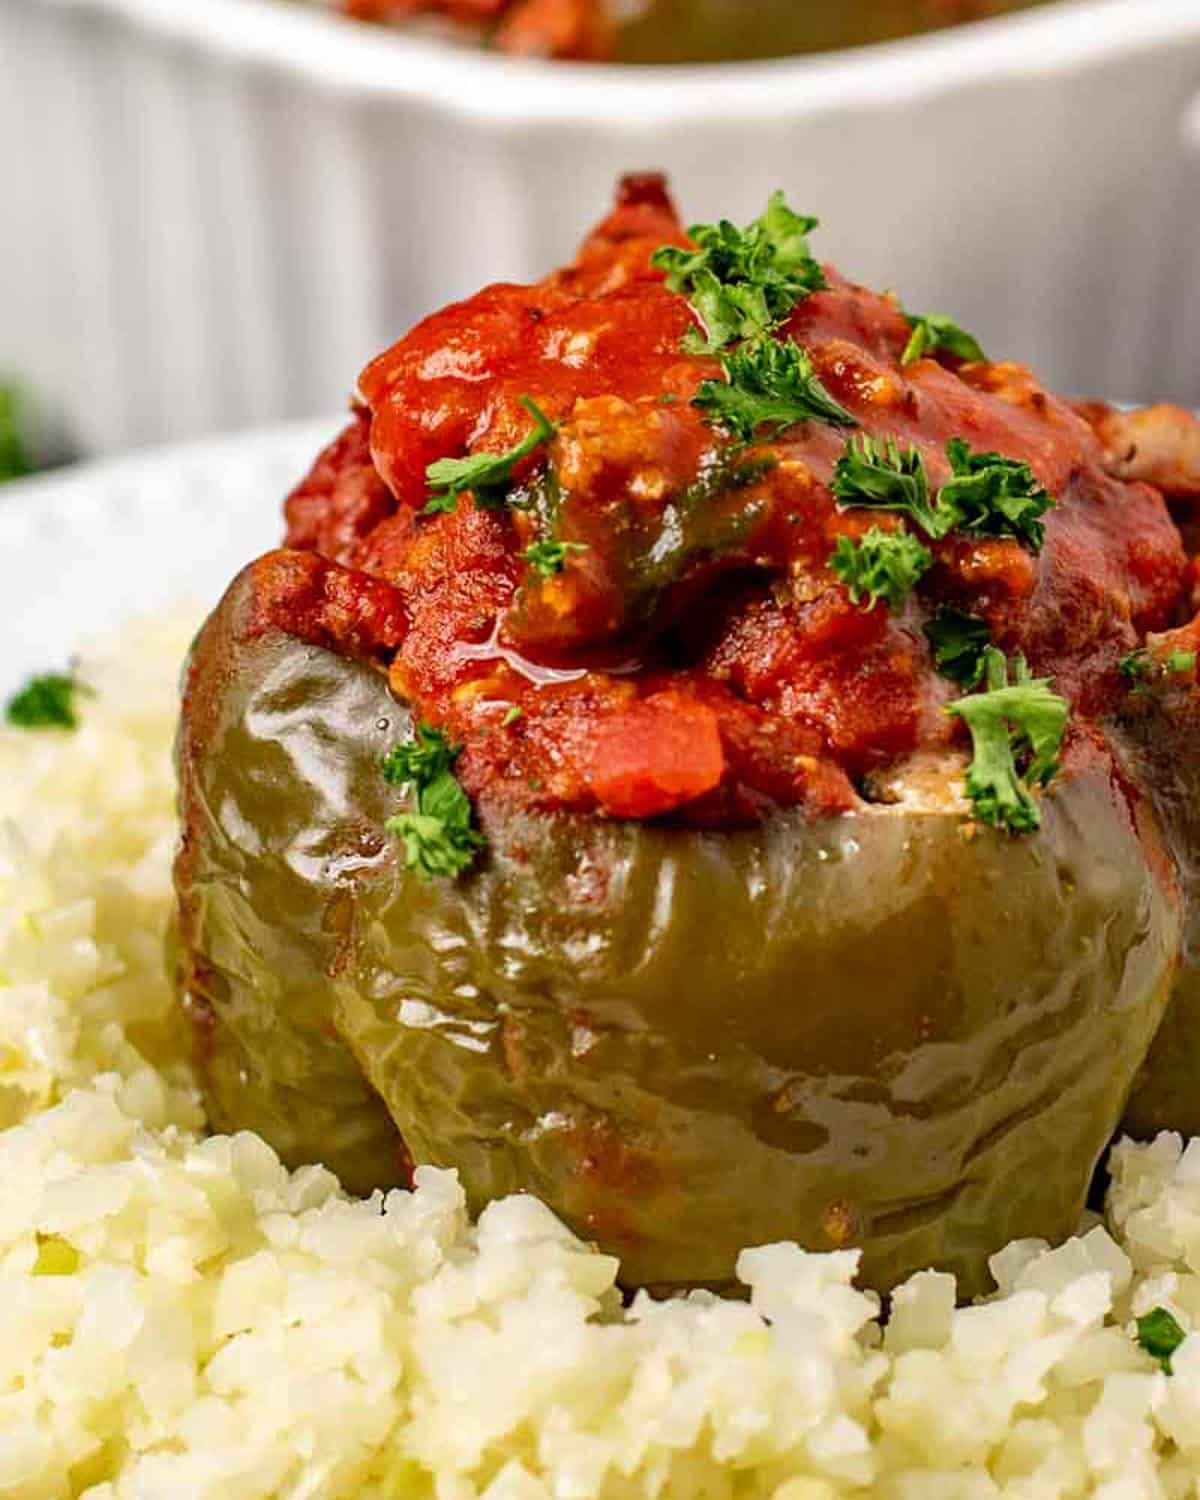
{"x": 685, "y": 1041}
{"x": 260, "y": 926}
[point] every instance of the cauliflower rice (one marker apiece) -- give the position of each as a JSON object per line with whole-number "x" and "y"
{"x": 184, "y": 1319}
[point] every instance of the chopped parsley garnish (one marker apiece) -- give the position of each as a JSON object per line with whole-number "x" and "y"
{"x": 1160, "y": 1335}
{"x": 1017, "y": 731}
{"x": 1139, "y": 666}
{"x": 958, "y": 641}
{"x": 420, "y": 760}
{"x": 769, "y": 385}
{"x": 880, "y": 565}
{"x": 993, "y": 495}
{"x": 988, "y": 494}
{"x": 933, "y": 331}
{"x": 437, "y": 836}
{"x": 742, "y": 282}
{"x": 46, "y": 702}
{"x": 549, "y": 558}
{"x": 488, "y": 476}
{"x": 877, "y": 474}
{"x": 513, "y": 713}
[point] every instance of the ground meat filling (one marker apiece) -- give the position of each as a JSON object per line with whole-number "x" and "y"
{"x": 694, "y": 655}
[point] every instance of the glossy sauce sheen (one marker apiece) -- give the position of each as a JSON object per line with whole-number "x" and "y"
{"x": 699, "y": 659}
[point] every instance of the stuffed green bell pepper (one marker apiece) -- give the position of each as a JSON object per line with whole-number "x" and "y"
{"x": 678, "y": 766}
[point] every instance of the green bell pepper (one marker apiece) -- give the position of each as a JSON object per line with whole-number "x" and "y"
{"x": 891, "y": 1029}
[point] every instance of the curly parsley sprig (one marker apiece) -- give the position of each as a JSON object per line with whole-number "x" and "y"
{"x": 958, "y": 641}
{"x": 879, "y": 565}
{"x": 993, "y": 496}
{"x": 437, "y": 837}
{"x": 987, "y": 494}
{"x": 877, "y": 474}
{"x": 489, "y": 476}
{"x": 769, "y": 385}
{"x": 742, "y": 282}
{"x": 1017, "y": 730}
{"x": 934, "y": 331}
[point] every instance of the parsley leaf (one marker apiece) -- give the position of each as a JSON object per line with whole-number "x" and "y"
{"x": 933, "y": 331}
{"x": 488, "y": 476}
{"x": 741, "y": 282}
{"x": 1159, "y": 1334}
{"x": 993, "y": 495}
{"x": 958, "y": 641}
{"x": 420, "y": 760}
{"x": 768, "y": 384}
{"x": 437, "y": 835}
{"x": 512, "y": 714}
{"x": 1017, "y": 732}
{"x": 787, "y": 233}
{"x": 729, "y": 313}
{"x": 988, "y": 494}
{"x": 433, "y": 848}
{"x": 549, "y": 558}
{"x": 46, "y": 702}
{"x": 876, "y": 474}
{"x": 880, "y": 565}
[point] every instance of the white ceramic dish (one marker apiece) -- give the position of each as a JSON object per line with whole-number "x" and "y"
{"x": 83, "y": 551}
{"x": 216, "y": 210}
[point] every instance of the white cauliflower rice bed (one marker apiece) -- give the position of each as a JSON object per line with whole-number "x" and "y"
{"x": 182, "y": 1319}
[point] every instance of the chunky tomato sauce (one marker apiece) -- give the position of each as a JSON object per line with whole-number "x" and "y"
{"x": 700, "y": 658}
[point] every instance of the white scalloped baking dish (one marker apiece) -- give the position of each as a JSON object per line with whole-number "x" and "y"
{"x": 215, "y": 210}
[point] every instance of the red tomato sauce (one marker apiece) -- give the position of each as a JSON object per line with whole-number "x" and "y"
{"x": 699, "y": 658}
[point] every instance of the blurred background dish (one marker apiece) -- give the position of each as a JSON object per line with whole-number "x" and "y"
{"x": 216, "y": 210}
{"x": 676, "y": 31}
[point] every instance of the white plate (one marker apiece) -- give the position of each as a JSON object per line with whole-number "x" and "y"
{"x": 83, "y": 551}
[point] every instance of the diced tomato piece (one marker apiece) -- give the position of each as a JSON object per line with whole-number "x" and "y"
{"x": 655, "y": 755}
